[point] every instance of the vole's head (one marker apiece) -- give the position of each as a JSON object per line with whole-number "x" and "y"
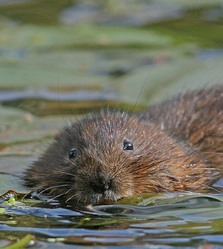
{"x": 102, "y": 158}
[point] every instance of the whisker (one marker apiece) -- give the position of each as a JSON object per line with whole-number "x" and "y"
{"x": 71, "y": 197}
{"x": 53, "y": 187}
{"x": 59, "y": 195}
{"x": 55, "y": 197}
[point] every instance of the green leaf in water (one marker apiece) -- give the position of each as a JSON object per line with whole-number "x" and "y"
{"x": 22, "y": 243}
{"x": 2, "y": 210}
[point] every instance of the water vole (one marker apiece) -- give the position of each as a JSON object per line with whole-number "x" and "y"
{"x": 173, "y": 146}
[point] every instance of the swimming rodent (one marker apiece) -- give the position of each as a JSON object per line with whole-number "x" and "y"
{"x": 173, "y": 146}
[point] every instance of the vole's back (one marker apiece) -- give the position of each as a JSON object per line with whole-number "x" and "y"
{"x": 194, "y": 117}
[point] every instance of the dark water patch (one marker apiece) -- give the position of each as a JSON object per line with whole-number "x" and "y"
{"x": 193, "y": 28}
{"x": 45, "y": 102}
{"x": 39, "y": 107}
{"x": 38, "y": 11}
{"x": 45, "y": 94}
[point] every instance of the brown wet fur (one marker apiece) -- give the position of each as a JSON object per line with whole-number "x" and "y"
{"x": 177, "y": 146}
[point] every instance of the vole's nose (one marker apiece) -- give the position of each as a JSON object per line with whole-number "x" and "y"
{"x": 101, "y": 185}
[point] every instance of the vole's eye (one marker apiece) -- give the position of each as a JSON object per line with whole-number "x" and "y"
{"x": 127, "y": 145}
{"x": 72, "y": 153}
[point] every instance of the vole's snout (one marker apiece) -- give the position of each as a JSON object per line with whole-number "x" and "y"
{"x": 100, "y": 185}
{"x": 103, "y": 187}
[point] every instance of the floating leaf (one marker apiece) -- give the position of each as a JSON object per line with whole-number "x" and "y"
{"x": 22, "y": 243}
